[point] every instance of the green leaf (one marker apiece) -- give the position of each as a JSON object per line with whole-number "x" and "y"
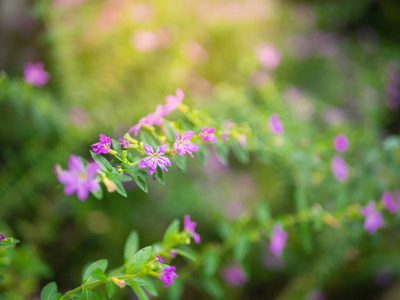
{"x": 174, "y": 291}
{"x": 134, "y": 170}
{"x": 188, "y": 253}
{"x": 263, "y": 213}
{"x": 150, "y": 287}
{"x": 211, "y": 263}
{"x": 117, "y": 147}
{"x": 223, "y": 151}
{"x": 214, "y": 288}
{"x": 138, "y": 290}
{"x": 180, "y": 162}
{"x": 140, "y": 182}
{"x": 201, "y": 154}
{"x": 119, "y": 188}
{"x": 131, "y": 245}
{"x": 49, "y": 292}
{"x": 147, "y": 139}
{"x": 118, "y": 176}
{"x": 171, "y": 230}
{"x": 99, "y": 274}
{"x": 140, "y": 281}
{"x": 241, "y": 247}
{"x": 101, "y": 161}
{"x": 240, "y": 152}
{"x": 111, "y": 288}
{"x": 138, "y": 259}
{"x": 100, "y": 264}
{"x": 86, "y": 294}
{"x": 159, "y": 174}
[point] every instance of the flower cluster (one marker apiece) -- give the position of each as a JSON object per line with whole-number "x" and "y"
{"x": 155, "y": 118}
{"x": 167, "y": 275}
{"x": 103, "y": 146}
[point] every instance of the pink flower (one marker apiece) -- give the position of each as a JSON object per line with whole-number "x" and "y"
{"x": 268, "y": 56}
{"x": 155, "y": 159}
{"x": 388, "y": 202}
{"x": 34, "y": 74}
{"x": 78, "y": 178}
{"x": 275, "y": 125}
{"x": 340, "y": 143}
{"x": 103, "y": 146}
{"x": 339, "y": 168}
{"x": 234, "y": 275}
{"x": 123, "y": 143}
{"x": 158, "y": 115}
{"x": 147, "y": 120}
{"x": 185, "y": 145}
{"x": 173, "y": 101}
{"x": 373, "y": 218}
{"x": 189, "y": 227}
{"x": 278, "y": 240}
{"x": 167, "y": 275}
{"x": 208, "y": 134}
{"x": 242, "y": 140}
{"x": 145, "y": 41}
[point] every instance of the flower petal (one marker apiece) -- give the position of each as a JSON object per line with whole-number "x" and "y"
{"x": 75, "y": 164}
{"x": 148, "y": 149}
{"x": 187, "y": 136}
{"x": 161, "y": 150}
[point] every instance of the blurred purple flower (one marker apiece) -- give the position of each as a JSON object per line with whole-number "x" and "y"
{"x": 194, "y": 52}
{"x": 189, "y": 227}
{"x": 339, "y": 168}
{"x": 185, "y": 145}
{"x": 334, "y": 116}
{"x": 234, "y": 275}
{"x": 124, "y": 143}
{"x": 388, "y": 202}
{"x": 167, "y": 275}
{"x": 155, "y": 159}
{"x": 147, "y": 120}
{"x": 224, "y": 136}
{"x": 103, "y": 146}
{"x": 78, "y": 178}
{"x": 275, "y": 125}
{"x": 173, "y": 101}
{"x": 373, "y": 218}
{"x": 326, "y": 44}
{"x": 208, "y": 134}
{"x": 157, "y": 116}
{"x": 271, "y": 261}
{"x": 2, "y": 237}
{"x": 278, "y": 240}
{"x": 173, "y": 253}
{"x": 242, "y": 140}
{"x": 268, "y": 56}
{"x": 34, "y": 74}
{"x": 340, "y": 143}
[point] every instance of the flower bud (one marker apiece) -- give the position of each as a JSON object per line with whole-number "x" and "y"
{"x": 109, "y": 185}
{"x": 120, "y": 283}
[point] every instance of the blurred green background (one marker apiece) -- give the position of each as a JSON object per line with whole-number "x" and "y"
{"x": 112, "y": 61}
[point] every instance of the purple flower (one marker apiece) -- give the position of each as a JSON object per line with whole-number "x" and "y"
{"x": 167, "y": 275}
{"x": 339, "y": 168}
{"x": 158, "y": 115}
{"x": 208, "y": 134}
{"x": 275, "y": 125}
{"x": 78, "y": 179}
{"x": 103, "y": 146}
{"x": 189, "y": 227}
{"x": 373, "y": 218}
{"x": 388, "y": 202}
{"x": 185, "y": 145}
{"x": 155, "y": 159}
{"x": 340, "y": 143}
{"x": 234, "y": 275}
{"x": 278, "y": 240}
{"x": 124, "y": 143}
{"x": 173, "y": 101}
{"x": 2, "y": 237}
{"x": 224, "y": 136}
{"x": 34, "y": 74}
{"x": 160, "y": 259}
{"x": 173, "y": 253}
